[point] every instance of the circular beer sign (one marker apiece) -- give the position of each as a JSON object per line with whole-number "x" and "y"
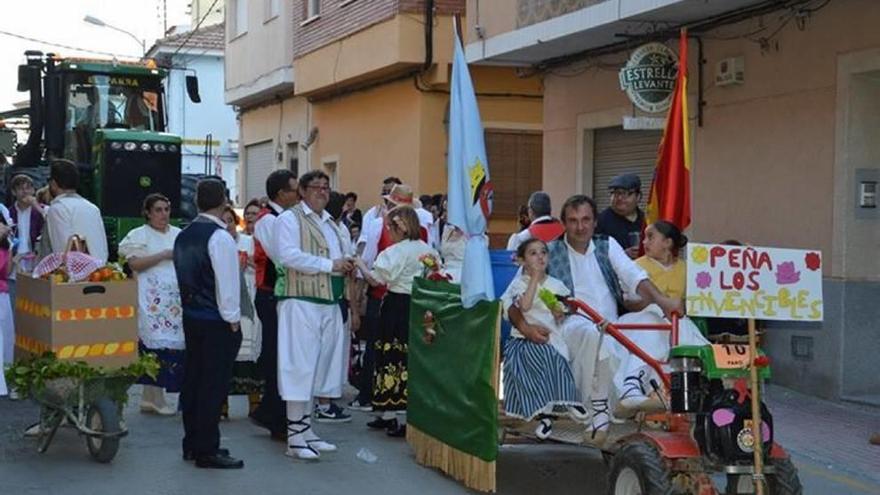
{"x": 649, "y": 77}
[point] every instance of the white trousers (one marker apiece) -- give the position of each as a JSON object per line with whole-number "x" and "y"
{"x": 310, "y": 350}
{"x": 591, "y": 375}
{"x": 655, "y": 342}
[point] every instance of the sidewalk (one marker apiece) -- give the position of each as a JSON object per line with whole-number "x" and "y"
{"x": 827, "y": 434}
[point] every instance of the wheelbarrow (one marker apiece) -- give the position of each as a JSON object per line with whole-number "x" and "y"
{"x": 92, "y": 406}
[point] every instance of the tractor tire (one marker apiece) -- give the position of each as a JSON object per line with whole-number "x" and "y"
{"x": 188, "y": 184}
{"x": 103, "y": 416}
{"x": 785, "y": 480}
{"x": 188, "y": 208}
{"x": 638, "y": 469}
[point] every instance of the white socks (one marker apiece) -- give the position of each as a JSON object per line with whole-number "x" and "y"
{"x": 302, "y": 442}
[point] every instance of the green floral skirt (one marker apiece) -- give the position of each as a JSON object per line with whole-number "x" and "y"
{"x": 389, "y": 376}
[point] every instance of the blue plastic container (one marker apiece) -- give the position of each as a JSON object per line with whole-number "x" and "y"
{"x": 503, "y": 271}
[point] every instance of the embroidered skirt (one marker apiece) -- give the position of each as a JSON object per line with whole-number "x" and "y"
{"x": 390, "y": 375}
{"x": 170, "y": 375}
{"x": 535, "y": 376}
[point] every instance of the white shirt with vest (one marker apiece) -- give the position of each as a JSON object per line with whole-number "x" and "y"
{"x": 287, "y": 244}
{"x": 589, "y": 284}
{"x": 224, "y": 260}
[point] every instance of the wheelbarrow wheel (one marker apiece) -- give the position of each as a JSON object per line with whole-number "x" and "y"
{"x": 638, "y": 469}
{"x": 103, "y": 416}
{"x": 784, "y": 480}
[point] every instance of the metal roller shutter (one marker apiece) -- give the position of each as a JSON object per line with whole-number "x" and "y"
{"x": 259, "y": 163}
{"x": 615, "y": 152}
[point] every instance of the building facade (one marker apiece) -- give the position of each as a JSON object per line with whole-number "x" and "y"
{"x": 360, "y": 90}
{"x": 783, "y": 104}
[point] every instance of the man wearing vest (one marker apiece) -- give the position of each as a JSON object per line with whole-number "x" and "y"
{"x": 595, "y": 269}
{"x": 311, "y": 282}
{"x": 206, "y": 262}
{"x": 542, "y": 226}
{"x": 281, "y": 189}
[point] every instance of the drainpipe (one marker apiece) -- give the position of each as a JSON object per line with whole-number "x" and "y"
{"x": 429, "y": 35}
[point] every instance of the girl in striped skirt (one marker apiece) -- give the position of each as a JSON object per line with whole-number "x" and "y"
{"x": 537, "y": 375}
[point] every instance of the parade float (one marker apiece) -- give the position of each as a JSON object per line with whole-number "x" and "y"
{"x": 713, "y": 423}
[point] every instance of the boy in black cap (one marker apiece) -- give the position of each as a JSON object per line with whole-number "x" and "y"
{"x": 623, "y": 220}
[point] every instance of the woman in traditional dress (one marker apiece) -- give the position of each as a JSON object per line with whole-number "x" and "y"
{"x": 246, "y": 377}
{"x": 395, "y": 267}
{"x": 148, "y": 252}
{"x": 668, "y": 272}
{"x": 537, "y": 375}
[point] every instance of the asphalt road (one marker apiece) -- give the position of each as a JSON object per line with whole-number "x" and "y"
{"x": 149, "y": 462}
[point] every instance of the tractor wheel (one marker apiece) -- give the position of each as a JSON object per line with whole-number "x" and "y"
{"x": 785, "y": 480}
{"x": 103, "y": 416}
{"x": 188, "y": 209}
{"x": 638, "y": 469}
{"x": 188, "y": 183}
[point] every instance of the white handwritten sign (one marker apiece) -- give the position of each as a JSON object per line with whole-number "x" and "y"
{"x": 754, "y": 282}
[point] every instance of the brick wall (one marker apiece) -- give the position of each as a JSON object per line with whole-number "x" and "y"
{"x": 337, "y": 21}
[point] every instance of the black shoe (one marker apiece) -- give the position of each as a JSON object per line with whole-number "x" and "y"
{"x": 382, "y": 424}
{"x": 189, "y": 455}
{"x": 396, "y": 431}
{"x": 219, "y": 462}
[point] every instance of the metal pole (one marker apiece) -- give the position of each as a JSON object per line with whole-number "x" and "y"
{"x": 758, "y": 476}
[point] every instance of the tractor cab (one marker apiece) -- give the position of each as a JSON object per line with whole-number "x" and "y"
{"x": 108, "y": 117}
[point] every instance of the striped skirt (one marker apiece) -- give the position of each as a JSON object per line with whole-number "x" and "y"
{"x": 535, "y": 377}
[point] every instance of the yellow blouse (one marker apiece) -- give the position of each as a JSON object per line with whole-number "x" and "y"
{"x": 670, "y": 280}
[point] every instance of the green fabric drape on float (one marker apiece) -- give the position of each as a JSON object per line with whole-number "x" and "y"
{"x": 452, "y": 381}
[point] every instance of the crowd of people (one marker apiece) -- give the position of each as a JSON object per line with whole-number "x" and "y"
{"x": 273, "y": 306}
{"x": 263, "y": 307}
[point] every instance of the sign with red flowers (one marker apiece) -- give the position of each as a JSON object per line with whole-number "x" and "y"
{"x": 754, "y": 282}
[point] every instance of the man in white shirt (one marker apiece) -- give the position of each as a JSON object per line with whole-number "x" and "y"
{"x": 543, "y": 225}
{"x": 71, "y": 214}
{"x": 206, "y": 263}
{"x": 281, "y": 189}
{"x": 311, "y": 354}
{"x": 597, "y": 271}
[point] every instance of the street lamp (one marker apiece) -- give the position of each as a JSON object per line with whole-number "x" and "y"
{"x": 98, "y": 22}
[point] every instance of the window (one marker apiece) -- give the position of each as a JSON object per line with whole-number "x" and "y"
{"x": 271, "y": 9}
{"x": 238, "y": 18}
{"x": 515, "y": 164}
{"x": 313, "y": 8}
{"x": 330, "y": 168}
{"x": 293, "y": 158}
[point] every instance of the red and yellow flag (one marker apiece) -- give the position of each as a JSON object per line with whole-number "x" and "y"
{"x": 670, "y": 197}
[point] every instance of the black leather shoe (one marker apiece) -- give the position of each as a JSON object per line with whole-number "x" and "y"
{"x": 396, "y": 431}
{"x": 219, "y": 462}
{"x": 382, "y": 424}
{"x": 189, "y": 455}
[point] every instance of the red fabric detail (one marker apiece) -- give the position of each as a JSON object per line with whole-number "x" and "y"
{"x": 548, "y": 231}
{"x": 261, "y": 259}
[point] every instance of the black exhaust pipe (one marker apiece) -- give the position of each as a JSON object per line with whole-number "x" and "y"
{"x": 30, "y": 79}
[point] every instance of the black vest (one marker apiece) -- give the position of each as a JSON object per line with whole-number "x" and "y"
{"x": 270, "y": 274}
{"x": 195, "y": 274}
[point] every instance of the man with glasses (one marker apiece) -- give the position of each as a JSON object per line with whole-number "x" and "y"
{"x": 281, "y": 188}
{"x": 623, "y": 220}
{"x": 308, "y": 247}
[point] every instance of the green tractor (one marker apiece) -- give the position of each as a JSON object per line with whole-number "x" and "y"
{"x": 108, "y": 117}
